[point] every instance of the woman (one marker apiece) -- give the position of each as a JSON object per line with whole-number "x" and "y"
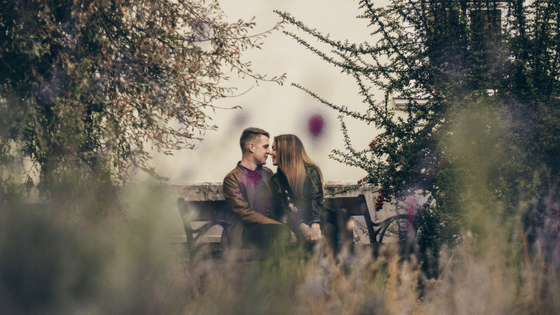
{"x": 298, "y": 189}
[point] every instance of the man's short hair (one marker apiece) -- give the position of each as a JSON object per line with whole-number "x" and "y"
{"x": 250, "y": 134}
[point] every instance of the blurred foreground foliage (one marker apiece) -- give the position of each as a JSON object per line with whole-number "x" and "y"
{"x": 479, "y": 133}
{"x": 50, "y": 266}
{"x": 89, "y": 88}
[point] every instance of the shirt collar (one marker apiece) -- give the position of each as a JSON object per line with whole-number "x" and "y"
{"x": 258, "y": 169}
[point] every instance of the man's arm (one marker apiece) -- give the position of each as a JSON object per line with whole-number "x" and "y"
{"x": 235, "y": 199}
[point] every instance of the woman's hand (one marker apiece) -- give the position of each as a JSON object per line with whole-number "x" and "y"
{"x": 315, "y": 232}
{"x": 305, "y": 231}
{"x": 311, "y": 233}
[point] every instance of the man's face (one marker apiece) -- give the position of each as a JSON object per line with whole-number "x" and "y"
{"x": 261, "y": 150}
{"x": 273, "y": 155}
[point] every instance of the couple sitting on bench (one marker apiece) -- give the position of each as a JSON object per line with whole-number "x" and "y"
{"x": 286, "y": 206}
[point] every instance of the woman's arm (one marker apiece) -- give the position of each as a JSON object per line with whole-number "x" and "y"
{"x": 316, "y": 194}
{"x": 280, "y": 205}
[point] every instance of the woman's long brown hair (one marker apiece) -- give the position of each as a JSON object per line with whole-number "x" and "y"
{"x": 291, "y": 158}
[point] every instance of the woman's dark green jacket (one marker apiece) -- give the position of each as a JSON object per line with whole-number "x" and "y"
{"x": 309, "y": 204}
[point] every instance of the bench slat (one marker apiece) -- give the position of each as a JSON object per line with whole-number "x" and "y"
{"x": 209, "y": 210}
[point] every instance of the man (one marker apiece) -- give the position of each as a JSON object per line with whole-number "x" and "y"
{"x": 248, "y": 193}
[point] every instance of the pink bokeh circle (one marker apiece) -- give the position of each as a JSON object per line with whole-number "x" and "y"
{"x": 315, "y": 124}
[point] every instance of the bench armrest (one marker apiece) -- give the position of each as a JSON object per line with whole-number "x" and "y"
{"x": 381, "y": 227}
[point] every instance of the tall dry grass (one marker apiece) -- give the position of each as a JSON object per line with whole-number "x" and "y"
{"x": 123, "y": 265}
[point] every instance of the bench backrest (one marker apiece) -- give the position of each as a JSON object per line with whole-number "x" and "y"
{"x": 352, "y": 206}
{"x": 205, "y": 210}
{"x": 213, "y": 212}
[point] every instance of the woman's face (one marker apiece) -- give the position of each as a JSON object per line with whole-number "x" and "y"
{"x": 273, "y": 154}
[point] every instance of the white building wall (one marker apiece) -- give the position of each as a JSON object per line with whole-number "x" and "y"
{"x": 282, "y": 109}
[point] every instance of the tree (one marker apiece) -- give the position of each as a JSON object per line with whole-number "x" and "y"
{"x": 480, "y": 134}
{"x": 89, "y": 87}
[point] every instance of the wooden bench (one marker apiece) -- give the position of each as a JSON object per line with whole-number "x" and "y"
{"x": 346, "y": 207}
{"x": 206, "y": 214}
{"x": 218, "y": 212}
